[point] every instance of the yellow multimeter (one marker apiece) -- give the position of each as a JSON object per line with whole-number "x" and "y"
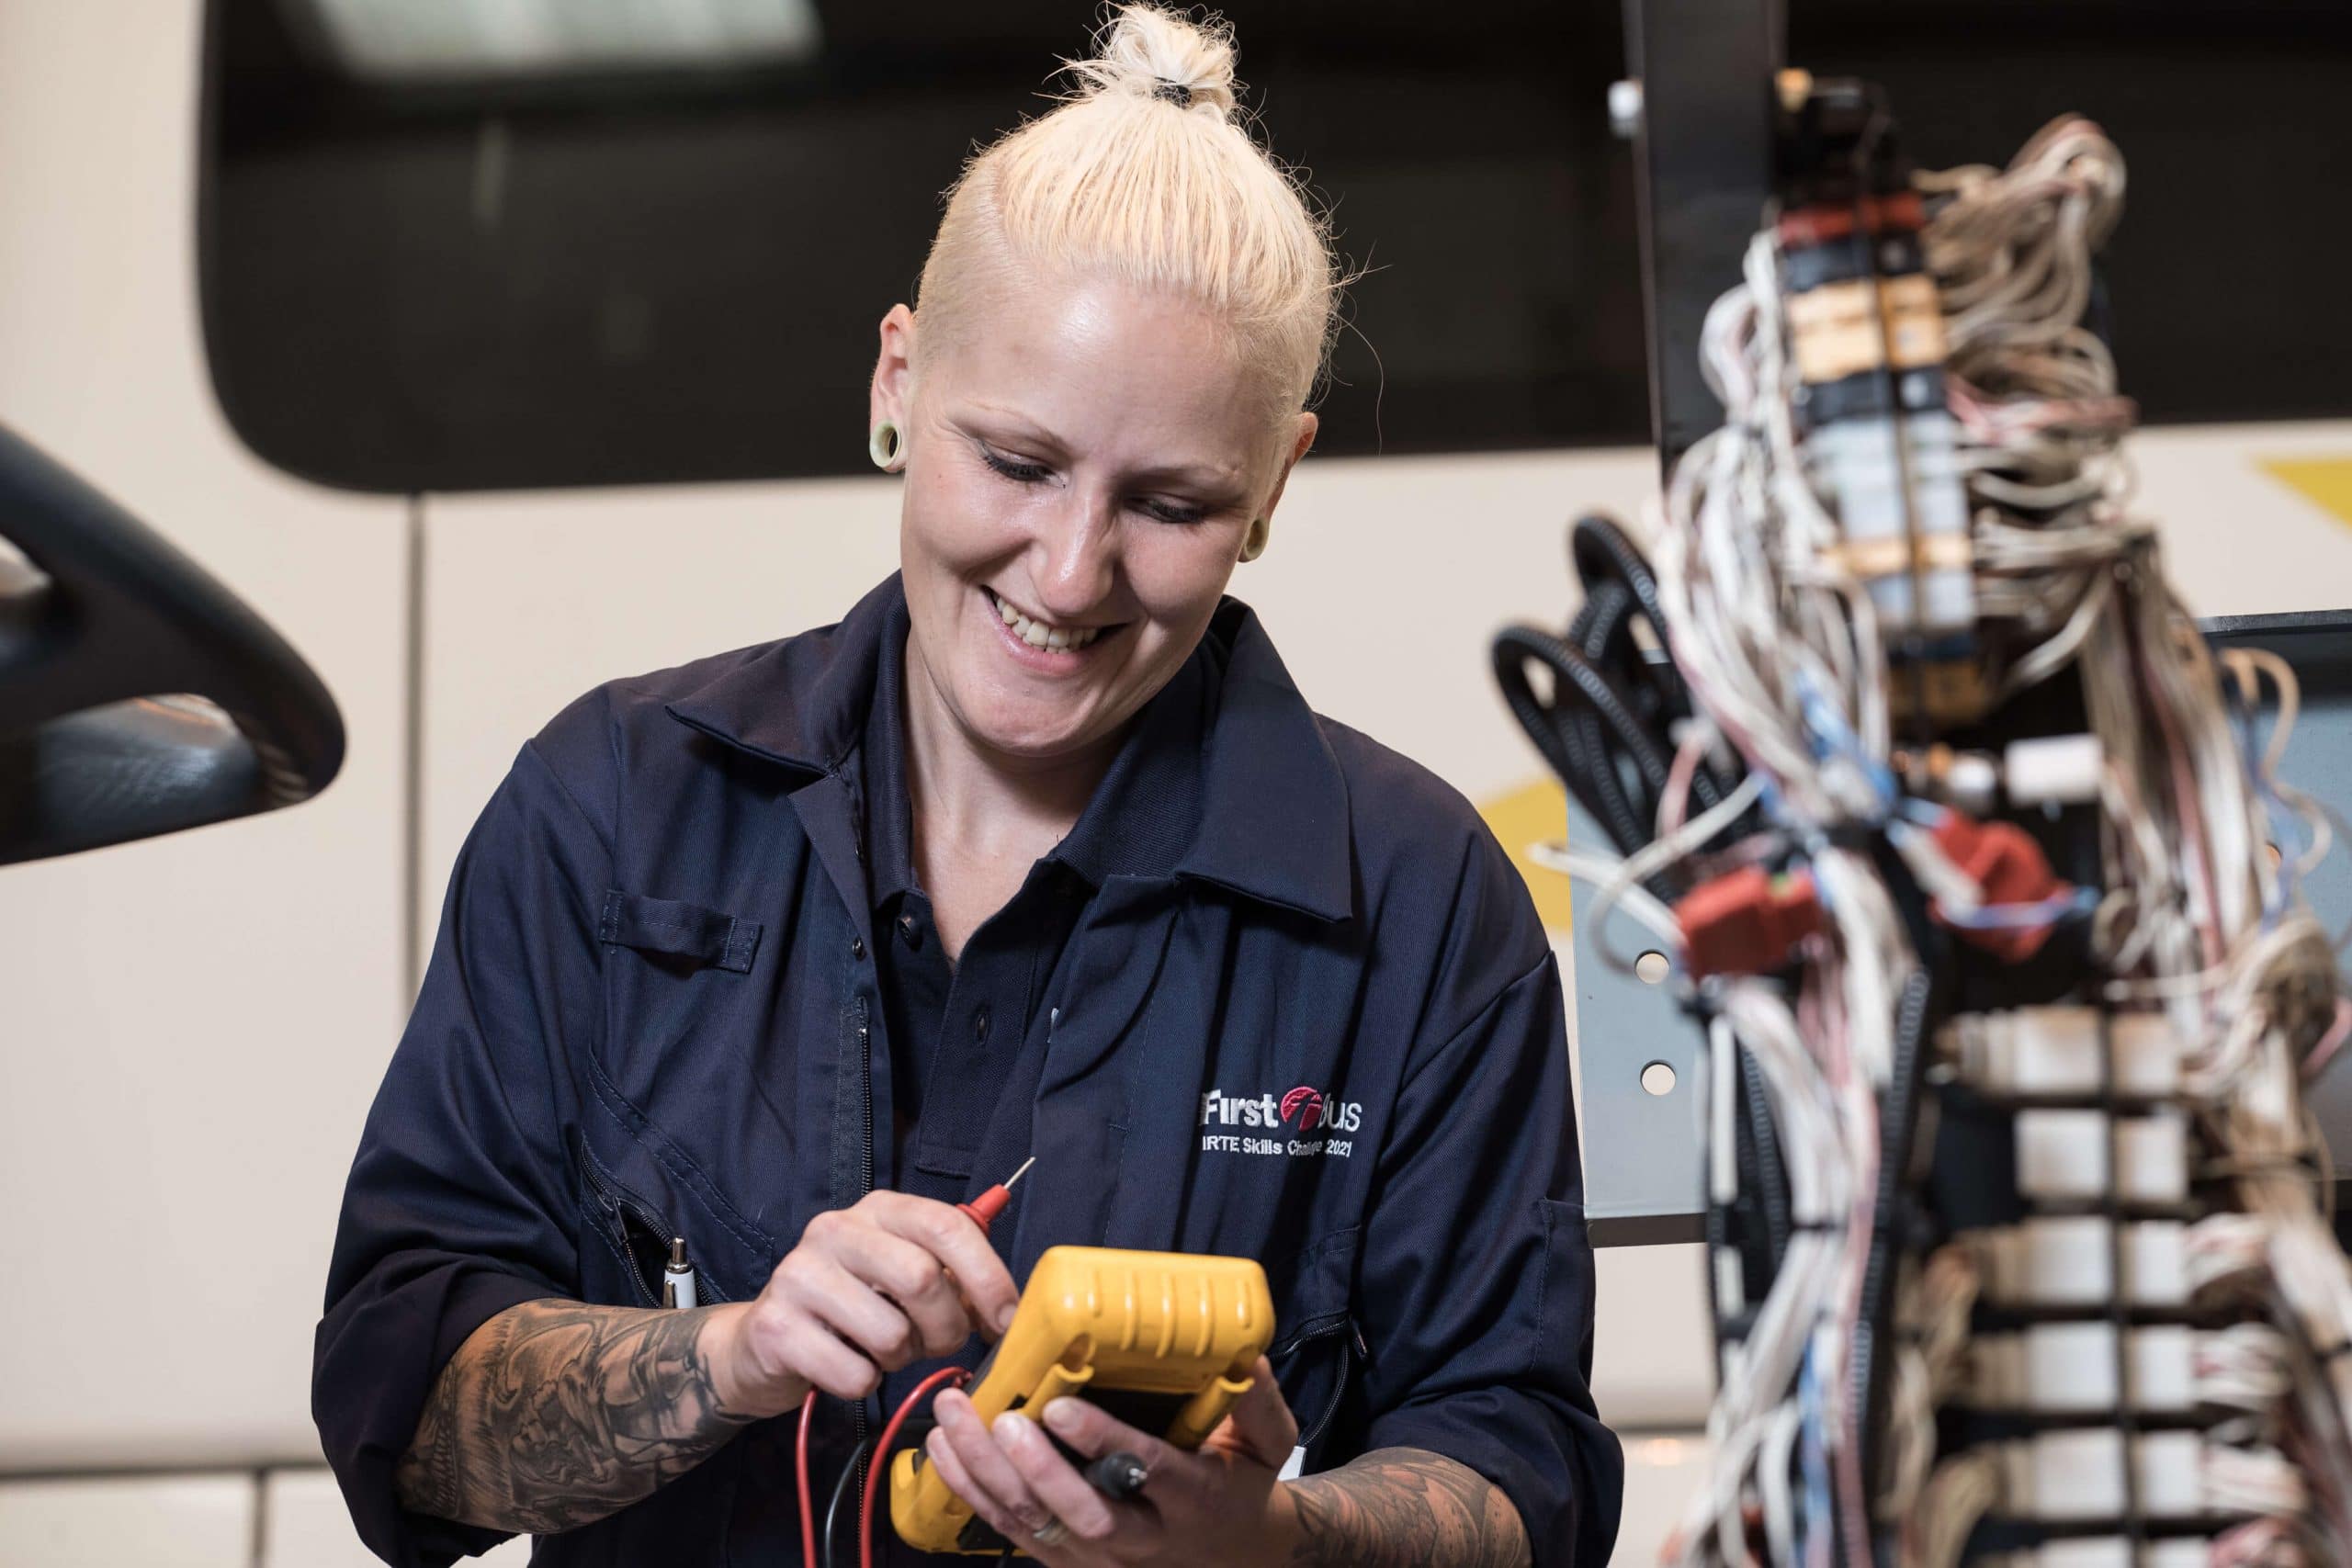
{"x": 1165, "y": 1341}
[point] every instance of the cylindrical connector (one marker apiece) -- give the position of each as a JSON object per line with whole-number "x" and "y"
{"x": 2053, "y": 769}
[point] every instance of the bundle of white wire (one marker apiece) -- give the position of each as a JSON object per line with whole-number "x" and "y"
{"x": 1783, "y": 657}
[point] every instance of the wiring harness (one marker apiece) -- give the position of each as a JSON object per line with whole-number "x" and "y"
{"x": 1981, "y": 879}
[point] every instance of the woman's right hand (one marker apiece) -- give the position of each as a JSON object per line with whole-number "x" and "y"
{"x": 866, "y": 1291}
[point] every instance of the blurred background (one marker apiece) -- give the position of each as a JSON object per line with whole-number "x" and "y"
{"x": 494, "y": 348}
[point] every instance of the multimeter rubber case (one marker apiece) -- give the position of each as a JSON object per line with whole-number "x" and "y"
{"x": 1165, "y": 1341}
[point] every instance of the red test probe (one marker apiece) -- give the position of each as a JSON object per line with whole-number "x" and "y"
{"x": 990, "y": 1203}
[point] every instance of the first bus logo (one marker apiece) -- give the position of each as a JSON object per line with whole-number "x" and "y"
{"x": 1297, "y": 1124}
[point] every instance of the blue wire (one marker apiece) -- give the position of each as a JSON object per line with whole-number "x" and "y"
{"x": 1814, "y": 1457}
{"x": 1926, "y": 813}
{"x": 2022, "y": 916}
{"x": 1828, "y": 732}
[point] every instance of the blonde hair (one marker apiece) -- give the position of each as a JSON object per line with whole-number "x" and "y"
{"x": 1145, "y": 174}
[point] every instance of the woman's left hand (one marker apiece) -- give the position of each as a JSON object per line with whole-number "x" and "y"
{"x": 1220, "y": 1504}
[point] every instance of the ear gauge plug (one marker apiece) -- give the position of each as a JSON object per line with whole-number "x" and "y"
{"x": 887, "y": 447}
{"x": 1253, "y": 543}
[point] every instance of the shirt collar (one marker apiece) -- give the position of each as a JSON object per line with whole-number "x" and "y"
{"x": 1275, "y": 804}
{"x": 1139, "y": 822}
{"x": 1228, "y": 777}
{"x": 801, "y": 702}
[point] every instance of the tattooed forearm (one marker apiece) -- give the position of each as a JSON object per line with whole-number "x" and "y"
{"x": 554, "y": 1414}
{"x": 1405, "y": 1508}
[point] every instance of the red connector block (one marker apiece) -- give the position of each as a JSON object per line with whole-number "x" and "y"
{"x": 2002, "y": 858}
{"x": 1745, "y": 922}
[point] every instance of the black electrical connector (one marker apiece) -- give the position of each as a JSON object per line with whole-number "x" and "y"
{"x": 1118, "y": 1476}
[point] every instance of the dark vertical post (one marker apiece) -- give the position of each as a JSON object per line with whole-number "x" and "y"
{"x": 413, "y": 889}
{"x": 1703, "y": 170}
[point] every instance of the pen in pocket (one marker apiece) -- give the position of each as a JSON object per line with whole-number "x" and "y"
{"x": 678, "y": 1276}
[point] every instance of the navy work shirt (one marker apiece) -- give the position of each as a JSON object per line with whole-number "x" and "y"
{"x": 1304, "y": 1014}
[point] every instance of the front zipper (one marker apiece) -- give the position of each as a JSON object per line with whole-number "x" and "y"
{"x": 866, "y": 1099}
{"x": 864, "y": 1185}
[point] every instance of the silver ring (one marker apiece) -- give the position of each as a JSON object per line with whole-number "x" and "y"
{"x": 1053, "y": 1532}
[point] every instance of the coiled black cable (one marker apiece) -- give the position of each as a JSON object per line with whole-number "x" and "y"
{"x": 1607, "y": 727}
{"x": 1597, "y": 625}
{"x": 1599, "y": 551}
{"x": 1606, "y": 559}
{"x": 1594, "y": 777}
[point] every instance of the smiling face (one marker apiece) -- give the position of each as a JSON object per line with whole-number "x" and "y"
{"x": 1084, "y": 463}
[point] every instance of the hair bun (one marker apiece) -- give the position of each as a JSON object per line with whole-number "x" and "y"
{"x": 1153, "y": 52}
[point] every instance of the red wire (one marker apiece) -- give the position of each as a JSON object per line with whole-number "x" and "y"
{"x": 808, "y": 1506}
{"x": 877, "y": 1478}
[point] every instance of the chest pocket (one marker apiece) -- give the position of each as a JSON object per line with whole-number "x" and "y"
{"x": 681, "y": 1048}
{"x": 678, "y": 935}
{"x": 1319, "y": 1346}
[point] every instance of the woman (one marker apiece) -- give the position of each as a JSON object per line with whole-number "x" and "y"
{"x": 786, "y": 952}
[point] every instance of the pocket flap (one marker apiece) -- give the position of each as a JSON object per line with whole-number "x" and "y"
{"x": 689, "y": 931}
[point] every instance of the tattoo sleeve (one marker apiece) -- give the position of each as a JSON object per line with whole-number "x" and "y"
{"x": 1406, "y": 1509}
{"x": 554, "y": 1414}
